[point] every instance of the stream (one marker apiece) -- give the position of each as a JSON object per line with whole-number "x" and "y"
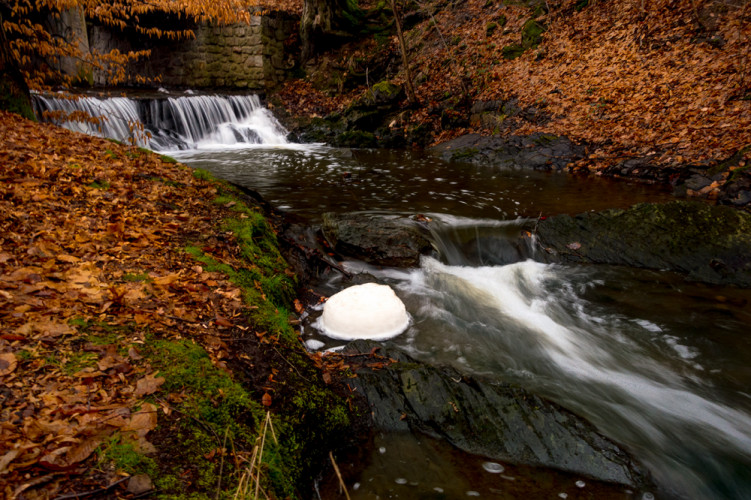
{"x": 654, "y": 361}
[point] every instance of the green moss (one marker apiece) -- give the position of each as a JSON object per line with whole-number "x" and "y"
{"x": 512, "y": 51}
{"x": 356, "y": 139}
{"x": 136, "y": 277}
{"x": 731, "y": 162}
{"x": 203, "y": 175}
{"x": 122, "y": 453}
{"x": 99, "y": 333}
{"x": 490, "y": 29}
{"x": 167, "y": 159}
{"x": 268, "y": 285}
{"x": 532, "y": 33}
{"x": 24, "y": 355}
{"x": 464, "y": 154}
{"x": 215, "y": 411}
{"x": 79, "y": 361}
{"x": 545, "y": 139}
{"x": 111, "y": 154}
{"x": 214, "y": 398}
{"x": 100, "y": 184}
{"x": 15, "y": 100}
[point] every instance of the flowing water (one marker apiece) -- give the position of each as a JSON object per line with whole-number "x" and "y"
{"x": 656, "y": 362}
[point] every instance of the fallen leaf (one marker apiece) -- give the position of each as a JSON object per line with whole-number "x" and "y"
{"x": 142, "y": 421}
{"x": 266, "y": 399}
{"x": 139, "y": 484}
{"x": 148, "y": 385}
{"x": 8, "y": 363}
{"x": 82, "y": 451}
{"x": 134, "y": 354}
{"x": 6, "y": 459}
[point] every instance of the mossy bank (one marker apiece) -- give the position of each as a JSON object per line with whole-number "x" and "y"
{"x": 270, "y": 407}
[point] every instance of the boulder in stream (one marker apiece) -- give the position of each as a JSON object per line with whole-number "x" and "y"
{"x": 711, "y": 244}
{"x": 376, "y": 239}
{"x": 537, "y": 151}
{"x": 496, "y": 420}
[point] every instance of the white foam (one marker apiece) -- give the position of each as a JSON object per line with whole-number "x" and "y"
{"x": 313, "y": 344}
{"x": 369, "y": 311}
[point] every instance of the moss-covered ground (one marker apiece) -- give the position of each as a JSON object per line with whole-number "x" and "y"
{"x": 148, "y": 347}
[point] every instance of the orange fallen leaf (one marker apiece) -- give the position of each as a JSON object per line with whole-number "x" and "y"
{"x": 148, "y": 385}
{"x": 8, "y": 363}
{"x": 266, "y": 399}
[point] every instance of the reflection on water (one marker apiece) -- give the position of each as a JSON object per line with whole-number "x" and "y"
{"x": 657, "y": 363}
{"x": 409, "y": 467}
{"x": 310, "y": 180}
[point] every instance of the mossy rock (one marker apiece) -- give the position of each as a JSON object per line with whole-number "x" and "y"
{"x": 711, "y": 244}
{"x": 512, "y": 51}
{"x": 532, "y": 33}
{"x": 15, "y": 101}
{"x": 384, "y": 93}
{"x": 356, "y": 139}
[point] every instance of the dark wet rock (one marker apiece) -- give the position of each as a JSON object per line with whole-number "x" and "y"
{"x": 495, "y": 420}
{"x": 709, "y": 243}
{"x": 364, "y": 124}
{"x": 697, "y": 182}
{"x": 376, "y": 239}
{"x": 537, "y": 151}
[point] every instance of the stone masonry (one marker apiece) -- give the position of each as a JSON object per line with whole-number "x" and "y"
{"x": 239, "y": 56}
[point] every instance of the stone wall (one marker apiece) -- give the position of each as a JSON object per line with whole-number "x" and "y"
{"x": 240, "y": 56}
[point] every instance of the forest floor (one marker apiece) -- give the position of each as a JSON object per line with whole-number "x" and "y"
{"x": 143, "y": 335}
{"x": 666, "y": 80}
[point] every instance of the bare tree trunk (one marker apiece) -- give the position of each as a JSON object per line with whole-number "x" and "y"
{"x": 410, "y": 89}
{"x": 14, "y": 92}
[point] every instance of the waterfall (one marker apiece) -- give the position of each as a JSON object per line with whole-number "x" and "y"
{"x": 164, "y": 124}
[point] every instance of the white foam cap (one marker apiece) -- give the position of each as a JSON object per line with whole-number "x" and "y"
{"x": 369, "y": 311}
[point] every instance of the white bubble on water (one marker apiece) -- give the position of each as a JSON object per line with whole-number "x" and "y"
{"x": 473, "y": 493}
{"x": 493, "y": 467}
{"x": 382, "y": 450}
{"x": 356, "y": 486}
{"x": 562, "y": 495}
{"x": 580, "y": 484}
{"x": 400, "y": 480}
{"x": 647, "y": 496}
{"x": 438, "y": 490}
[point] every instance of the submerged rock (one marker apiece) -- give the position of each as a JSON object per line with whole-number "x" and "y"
{"x": 536, "y": 151}
{"x": 379, "y": 240}
{"x": 709, "y": 243}
{"x": 495, "y": 420}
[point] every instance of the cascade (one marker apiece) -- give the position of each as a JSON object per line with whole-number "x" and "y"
{"x": 172, "y": 123}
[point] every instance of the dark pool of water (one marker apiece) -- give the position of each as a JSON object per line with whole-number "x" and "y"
{"x": 310, "y": 180}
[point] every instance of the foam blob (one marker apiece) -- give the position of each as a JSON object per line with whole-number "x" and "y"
{"x": 369, "y": 311}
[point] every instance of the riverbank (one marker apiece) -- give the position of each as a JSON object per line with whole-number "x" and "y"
{"x": 146, "y": 341}
{"x": 657, "y": 91}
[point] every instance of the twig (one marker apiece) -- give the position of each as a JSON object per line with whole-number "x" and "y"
{"x": 339, "y": 475}
{"x": 94, "y": 492}
{"x": 198, "y": 421}
{"x": 221, "y": 464}
{"x": 260, "y": 453}
{"x": 290, "y": 364}
{"x": 539, "y": 217}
